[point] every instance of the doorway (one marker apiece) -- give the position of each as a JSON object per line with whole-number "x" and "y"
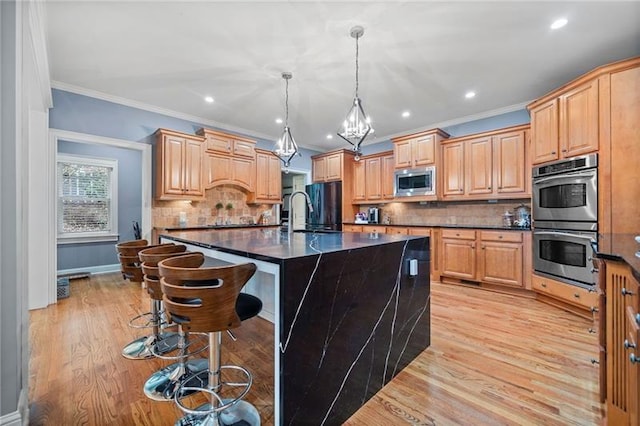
{"x": 291, "y": 182}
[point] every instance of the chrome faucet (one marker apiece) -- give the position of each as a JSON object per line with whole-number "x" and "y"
{"x": 291, "y": 215}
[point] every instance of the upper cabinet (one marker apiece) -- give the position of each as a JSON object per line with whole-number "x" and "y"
{"x": 566, "y": 125}
{"x": 417, "y": 150}
{"x": 373, "y": 178}
{"x": 328, "y": 167}
{"x": 268, "y": 179}
{"x": 229, "y": 159}
{"x": 486, "y": 166}
{"x": 178, "y": 166}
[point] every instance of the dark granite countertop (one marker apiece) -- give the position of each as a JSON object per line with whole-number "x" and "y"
{"x": 274, "y": 245}
{"x": 624, "y": 248}
{"x": 496, "y": 227}
{"x": 201, "y": 227}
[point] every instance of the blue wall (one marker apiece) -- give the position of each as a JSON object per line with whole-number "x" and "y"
{"x": 71, "y": 256}
{"x": 513, "y": 118}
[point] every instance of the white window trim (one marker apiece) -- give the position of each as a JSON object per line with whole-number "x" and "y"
{"x": 92, "y": 237}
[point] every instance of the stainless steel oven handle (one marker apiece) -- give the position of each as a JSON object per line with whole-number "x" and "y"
{"x": 538, "y": 181}
{"x": 562, "y": 234}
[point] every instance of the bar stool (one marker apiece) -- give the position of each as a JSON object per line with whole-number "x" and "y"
{"x": 208, "y": 299}
{"x": 140, "y": 348}
{"x": 162, "y": 384}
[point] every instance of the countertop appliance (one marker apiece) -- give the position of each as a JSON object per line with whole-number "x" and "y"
{"x": 326, "y": 199}
{"x": 415, "y": 182}
{"x": 565, "y": 219}
{"x": 374, "y": 215}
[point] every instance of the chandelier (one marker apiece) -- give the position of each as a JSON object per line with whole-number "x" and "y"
{"x": 286, "y": 147}
{"x": 356, "y": 125}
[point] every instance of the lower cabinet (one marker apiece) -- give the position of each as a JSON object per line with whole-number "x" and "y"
{"x": 565, "y": 293}
{"x": 484, "y": 257}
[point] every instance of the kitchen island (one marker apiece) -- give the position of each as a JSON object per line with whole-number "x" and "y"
{"x": 350, "y": 311}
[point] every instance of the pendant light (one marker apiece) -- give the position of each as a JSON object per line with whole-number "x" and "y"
{"x": 286, "y": 147}
{"x": 357, "y": 125}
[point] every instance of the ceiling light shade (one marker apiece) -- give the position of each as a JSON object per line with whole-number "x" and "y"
{"x": 286, "y": 147}
{"x": 356, "y": 125}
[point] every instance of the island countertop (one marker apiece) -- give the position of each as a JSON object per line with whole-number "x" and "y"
{"x": 274, "y": 245}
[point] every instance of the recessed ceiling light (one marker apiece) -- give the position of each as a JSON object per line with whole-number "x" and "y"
{"x": 279, "y": 120}
{"x": 558, "y": 23}
{"x": 406, "y": 114}
{"x": 208, "y": 99}
{"x": 470, "y": 94}
{"x": 329, "y": 136}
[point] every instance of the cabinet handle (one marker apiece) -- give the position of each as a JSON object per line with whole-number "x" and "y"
{"x": 553, "y": 152}
{"x": 626, "y": 292}
{"x": 592, "y": 331}
{"x": 595, "y": 270}
{"x": 488, "y": 187}
{"x": 576, "y": 295}
{"x": 500, "y": 236}
{"x": 482, "y": 247}
{"x": 594, "y": 361}
{"x": 564, "y": 150}
{"x": 628, "y": 344}
{"x": 634, "y": 359}
{"x": 544, "y": 285}
{"x": 473, "y": 246}
{"x": 499, "y": 187}
{"x": 594, "y": 310}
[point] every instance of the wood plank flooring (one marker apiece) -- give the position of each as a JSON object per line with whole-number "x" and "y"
{"x": 494, "y": 359}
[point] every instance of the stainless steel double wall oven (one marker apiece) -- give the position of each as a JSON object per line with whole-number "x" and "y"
{"x": 565, "y": 215}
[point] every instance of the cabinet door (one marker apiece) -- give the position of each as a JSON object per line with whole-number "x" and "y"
{"x": 479, "y": 166}
{"x": 510, "y": 164}
{"x": 218, "y": 170}
{"x": 402, "y": 154}
{"x": 334, "y": 167}
{"x": 579, "y": 120}
{"x": 244, "y": 149}
{"x": 173, "y": 165}
{"x": 218, "y": 143}
{"x": 193, "y": 168}
{"x": 453, "y": 164}
{"x": 359, "y": 182}
{"x": 275, "y": 179}
{"x": 243, "y": 171}
{"x": 262, "y": 176}
{"x": 319, "y": 169}
{"x": 386, "y": 179}
{"x": 501, "y": 263}
{"x": 373, "y": 167}
{"x": 424, "y": 151}
{"x": 351, "y": 228}
{"x": 397, "y": 230}
{"x": 544, "y": 129}
{"x": 459, "y": 258}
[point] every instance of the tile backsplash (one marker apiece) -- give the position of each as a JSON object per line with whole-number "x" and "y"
{"x": 450, "y": 212}
{"x": 204, "y": 212}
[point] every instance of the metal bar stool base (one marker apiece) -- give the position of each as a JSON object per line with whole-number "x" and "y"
{"x": 241, "y": 413}
{"x": 162, "y": 384}
{"x": 141, "y": 347}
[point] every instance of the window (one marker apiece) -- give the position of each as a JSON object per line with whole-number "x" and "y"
{"x": 87, "y": 199}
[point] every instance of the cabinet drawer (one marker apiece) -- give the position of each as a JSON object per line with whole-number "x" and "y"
{"x": 463, "y": 234}
{"x": 420, "y": 231}
{"x": 244, "y": 149}
{"x": 397, "y": 230}
{"x": 566, "y": 292}
{"x": 378, "y": 229}
{"x": 507, "y": 236}
{"x": 351, "y": 228}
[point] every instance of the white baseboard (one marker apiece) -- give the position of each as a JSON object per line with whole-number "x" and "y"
{"x": 11, "y": 419}
{"x": 102, "y": 269}
{"x": 20, "y": 417}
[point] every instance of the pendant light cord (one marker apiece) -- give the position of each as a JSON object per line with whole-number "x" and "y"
{"x": 357, "y": 38}
{"x": 286, "y": 104}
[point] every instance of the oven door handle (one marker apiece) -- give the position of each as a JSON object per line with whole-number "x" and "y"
{"x": 563, "y": 234}
{"x": 538, "y": 181}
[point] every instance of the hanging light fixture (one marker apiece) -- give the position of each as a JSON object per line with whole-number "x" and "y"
{"x": 357, "y": 125}
{"x": 286, "y": 147}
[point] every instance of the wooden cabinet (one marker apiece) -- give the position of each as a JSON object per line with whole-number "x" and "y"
{"x": 622, "y": 329}
{"x": 491, "y": 258}
{"x": 327, "y": 167}
{"x": 178, "y": 166}
{"x": 565, "y": 293}
{"x": 373, "y": 179}
{"x": 417, "y": 150}
{"x": 230, "y": 160}
{"x": 268, "y": 179}
{"x": 351, "y": 228}
{"x": 487, "y": 166}
{"x": 566, "y": 125}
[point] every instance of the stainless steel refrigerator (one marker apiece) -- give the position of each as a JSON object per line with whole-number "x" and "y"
{"x": 326, "y": 199}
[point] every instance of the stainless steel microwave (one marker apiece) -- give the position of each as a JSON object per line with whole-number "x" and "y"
{"x": 415, "y": 182}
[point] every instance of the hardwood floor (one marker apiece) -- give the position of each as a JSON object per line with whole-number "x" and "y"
{"x": 494, "y": 359}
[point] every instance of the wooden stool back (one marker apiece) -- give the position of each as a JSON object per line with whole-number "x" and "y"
{"x": 204, "y": 298}
{"x": 129, "y": 259}
{"x": 149, "y": 257}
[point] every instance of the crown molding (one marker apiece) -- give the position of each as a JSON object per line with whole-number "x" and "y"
{"x": 152, "y": 108}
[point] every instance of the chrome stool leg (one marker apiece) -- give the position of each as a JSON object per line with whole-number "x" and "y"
{"x": 141, "y": 348}
{"x": 219, "y": 411}
{"x": 162, "y": 384}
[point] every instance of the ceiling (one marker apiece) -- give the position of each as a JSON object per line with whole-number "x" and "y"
{"x": 420, "y": 57}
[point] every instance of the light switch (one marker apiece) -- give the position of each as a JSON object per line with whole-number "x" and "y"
{"x": 413, "y": 267}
